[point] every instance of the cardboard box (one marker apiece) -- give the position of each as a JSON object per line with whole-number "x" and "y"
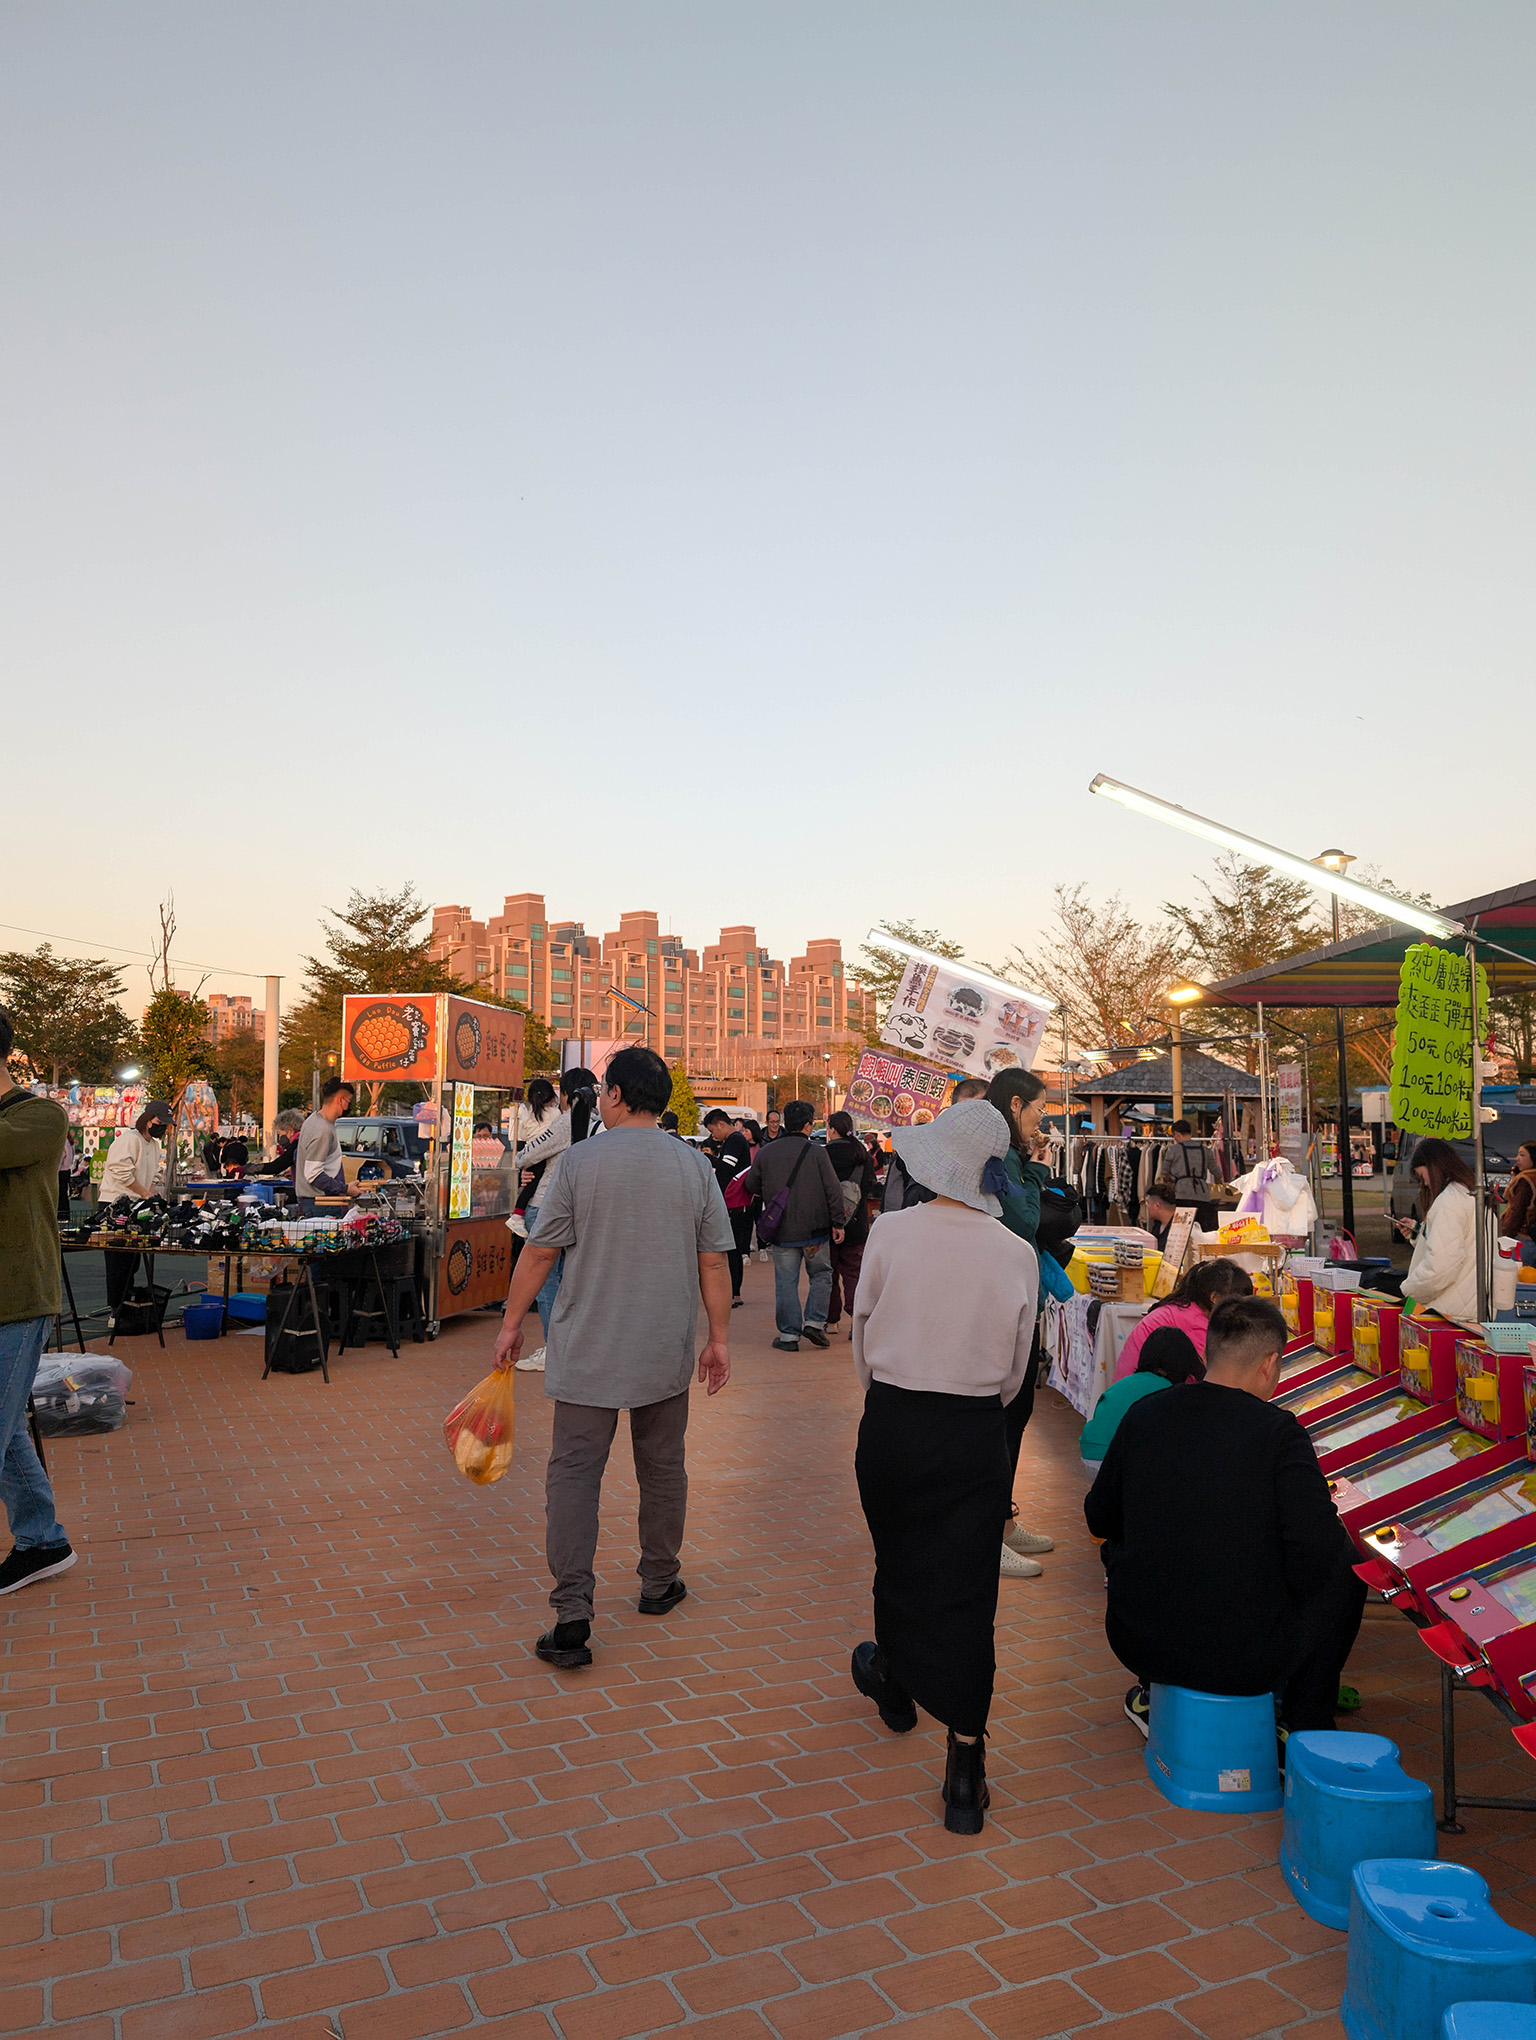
{"x": 254, "y": 1272}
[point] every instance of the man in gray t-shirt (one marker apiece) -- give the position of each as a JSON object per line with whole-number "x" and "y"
{"x": 645, "y": 1233}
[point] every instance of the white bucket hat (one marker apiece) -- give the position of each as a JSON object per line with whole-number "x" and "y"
{"x": 950, "y": 1155}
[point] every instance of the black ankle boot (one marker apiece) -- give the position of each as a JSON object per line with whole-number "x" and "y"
{"x": 872, "y": 1676}
{"x": 966, "y": 1797}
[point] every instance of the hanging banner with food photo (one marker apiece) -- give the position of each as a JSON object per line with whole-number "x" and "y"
{"x": 884, "y": 1093}
{"x": 965, "y": 1019}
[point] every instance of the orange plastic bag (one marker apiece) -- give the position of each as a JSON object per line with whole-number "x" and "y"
{"x": 479, "y": 1430}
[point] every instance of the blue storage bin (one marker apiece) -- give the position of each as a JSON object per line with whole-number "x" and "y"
{"x": 1423, "y": 1937}
{"x": 1484, "y": 2021}
{"x": 1346, "y": 1798}
{"x": 202, "y": 1320}
{"x": 1215, "y": 1752}
{"x": 247, "y": 1307}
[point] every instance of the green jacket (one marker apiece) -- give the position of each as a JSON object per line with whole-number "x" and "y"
{"x": 1021, "y": 1201}
{"x": 32, "y": 1136}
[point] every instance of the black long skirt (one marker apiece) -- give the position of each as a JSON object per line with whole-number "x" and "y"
{"x": 934, "y": 1482}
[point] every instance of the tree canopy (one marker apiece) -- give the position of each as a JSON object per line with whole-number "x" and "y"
{"x": 881, "y": 970}
{"x": 66, "y": 1014}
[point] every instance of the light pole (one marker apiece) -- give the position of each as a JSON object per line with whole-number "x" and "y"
{"x": 1340, "y": 861}
{"x": 1181, "y": 993}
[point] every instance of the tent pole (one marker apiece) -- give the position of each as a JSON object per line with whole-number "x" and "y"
{"x": 1481, "y": 1186}
{"x": 1263, "y": 1091}
{"x": 1066, "y": 1097}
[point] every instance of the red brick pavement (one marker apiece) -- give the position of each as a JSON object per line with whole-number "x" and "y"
{"x": 278, "y": 1758}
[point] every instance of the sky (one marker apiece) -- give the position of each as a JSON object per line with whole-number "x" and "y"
{"x": 754, "y": 462}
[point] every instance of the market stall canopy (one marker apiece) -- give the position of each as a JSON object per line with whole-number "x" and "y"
{"x": 1363, "y": 970}
{"x": 1204, "y": 1079}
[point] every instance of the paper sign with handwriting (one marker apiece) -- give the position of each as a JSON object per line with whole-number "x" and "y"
{"x": 1432, "y": 1050}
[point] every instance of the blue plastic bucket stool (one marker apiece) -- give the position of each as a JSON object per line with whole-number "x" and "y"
{"x": 1483, "y": 2021}
{"x": 202, "y": 1320}
{"x": 1214, "y": 1752}
{"x": 1346, "y": 1798}
{"x": 1423, "y": 1937}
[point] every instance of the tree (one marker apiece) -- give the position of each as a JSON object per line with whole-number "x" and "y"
{"x": 1107, "y": 971}
{"x": 376, "y": 945}
{"x": 1251, "y": 916}
{"x": 65, "y": 1012}
{"x": 684, "y": 1103}
{"x": 881, "y": 972}
{"x": 1514, "y": 1018}
{"x": 173, "y": 1043}
{"x": 237, "y": 1073}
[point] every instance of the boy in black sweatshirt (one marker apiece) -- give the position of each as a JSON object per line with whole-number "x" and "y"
{"x": 1229, "y": 1570}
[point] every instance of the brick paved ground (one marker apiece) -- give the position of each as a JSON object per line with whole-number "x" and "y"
{"x": 278, "y": 1759}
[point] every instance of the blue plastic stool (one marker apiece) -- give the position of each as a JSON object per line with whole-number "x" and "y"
{"x": 1423, "y": 1937}
{"x": 1482, "y": 2021}
{"x": 1346, "y": 1797}
{"x": 1214, "y": 1752}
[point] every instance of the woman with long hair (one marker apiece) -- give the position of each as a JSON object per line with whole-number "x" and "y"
{"x": 1020, "y": 1096}
{"x": 1517, "y": 1221}
{"x": 1186, "y": 1308}
{"x": 1442, "y": 1276}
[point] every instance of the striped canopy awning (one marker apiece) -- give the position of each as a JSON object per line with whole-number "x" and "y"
{"x": 1363, "y": 971}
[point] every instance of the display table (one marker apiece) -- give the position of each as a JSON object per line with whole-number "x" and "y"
{"x": 1083, "y": 1362}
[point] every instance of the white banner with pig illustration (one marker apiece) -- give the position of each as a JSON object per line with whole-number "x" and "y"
{"x": 964, "y": 1019}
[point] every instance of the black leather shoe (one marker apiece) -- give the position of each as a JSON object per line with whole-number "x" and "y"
{"x": 566, "y": 1645}
{"x": 874, "y": 1681}
{"x": 786, "y": 1345}
{"x": 663, "y": 1604}
{"x": 966, "y": 1797}
{"x": 816, "y": 1336}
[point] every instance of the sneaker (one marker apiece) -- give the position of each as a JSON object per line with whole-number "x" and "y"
{"x": 762, "y": 1253}
{"x": 873, "y": 1679}
{"x": 1138, "y": 1709}
{"x": 817, "y": 1336}
{"x": 1027, "y": 1543}
{"x": 786, "y": 1345}
{"x": 518, "y": 1225}
{"x": 566, "y": 1646}
{"x": 664, "y": 1602}
{"x": 735, "y": 1303}
{"x": 38, "y": 1562}
{"x": 531, "y": 1363}
{"x": 1014, "y": 1567}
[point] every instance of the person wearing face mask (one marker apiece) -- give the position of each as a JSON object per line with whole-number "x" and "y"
{"x": 1020, "y": 1096}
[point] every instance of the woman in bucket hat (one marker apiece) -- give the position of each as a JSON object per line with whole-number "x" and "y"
{"x": 941, "y": 1336}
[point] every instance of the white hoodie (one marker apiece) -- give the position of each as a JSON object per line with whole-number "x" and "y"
{"x": 1443, "y": 1272}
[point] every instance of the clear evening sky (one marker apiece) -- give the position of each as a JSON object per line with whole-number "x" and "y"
{"x": 756, "y": 461}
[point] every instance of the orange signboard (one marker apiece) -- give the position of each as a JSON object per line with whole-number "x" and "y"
{"x": 476, "y": 1266}
{"x": 483, "y": 1045}
{"x": 389, "y": 1036}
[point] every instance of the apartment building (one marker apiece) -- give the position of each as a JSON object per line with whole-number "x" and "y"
{"x": 709, "y": 1011}
{"x": 229, "y": 1016}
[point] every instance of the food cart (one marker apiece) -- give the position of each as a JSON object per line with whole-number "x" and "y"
{"x": 468, "y": 1059}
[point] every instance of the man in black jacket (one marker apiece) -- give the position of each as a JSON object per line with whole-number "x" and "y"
{"x": 813, "y": 1223}
{"x": 1229, "y": 1570}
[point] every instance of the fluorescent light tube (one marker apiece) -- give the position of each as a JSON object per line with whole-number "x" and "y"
{"x": 1256, "y": 852}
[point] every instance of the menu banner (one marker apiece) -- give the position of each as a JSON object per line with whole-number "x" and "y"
{"x": 884, "y": 1093}
{"x": 1432, "y": 1044}
{"x": 969, "y": 1022}
{"x": 1290, "y": 1130}
{"x": 461, "y": 1164}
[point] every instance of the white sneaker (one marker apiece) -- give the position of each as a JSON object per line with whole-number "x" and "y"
{"x": 762, "y": 1253}
{"x": 531, "y": 1363}
{"x": 518, "y": 1224}
{"x": 1012, "y": 1567}
{"x": 1027, "y": 1543}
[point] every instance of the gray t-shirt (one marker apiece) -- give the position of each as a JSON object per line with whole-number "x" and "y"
{"x": 633, "y": 1212}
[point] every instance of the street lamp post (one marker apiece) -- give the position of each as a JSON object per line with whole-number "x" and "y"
{"x": 1181, "y": 993}
{"x": 1340, "y": 861}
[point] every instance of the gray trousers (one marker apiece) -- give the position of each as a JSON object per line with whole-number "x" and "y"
{"x": 583, "y": 1438}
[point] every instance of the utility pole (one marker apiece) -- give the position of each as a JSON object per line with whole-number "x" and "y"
{"x": 1340, "y": 860}
{"x": 269, "y": 1064}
